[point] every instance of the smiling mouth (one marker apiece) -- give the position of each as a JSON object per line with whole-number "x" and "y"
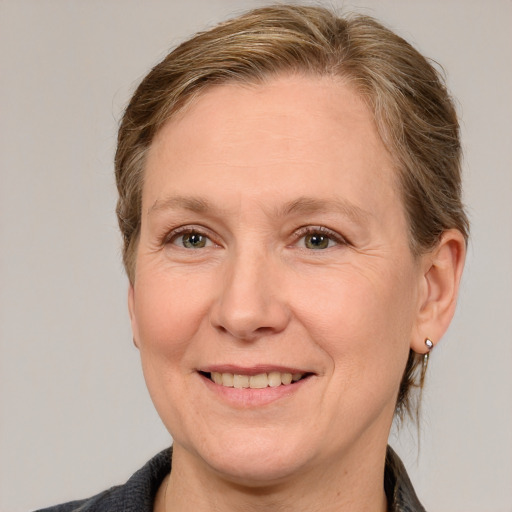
{"x": 259, "y": 381}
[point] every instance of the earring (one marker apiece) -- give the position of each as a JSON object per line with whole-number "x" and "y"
{"x": 430, "y": 345}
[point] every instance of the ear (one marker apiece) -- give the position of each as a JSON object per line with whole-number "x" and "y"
{"x": 441, "y": 273}
{"x": 131, "y": 310}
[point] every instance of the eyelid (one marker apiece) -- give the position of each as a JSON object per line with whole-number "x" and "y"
{"x": 173, "y": 234}
{"x": 333, "y": 235}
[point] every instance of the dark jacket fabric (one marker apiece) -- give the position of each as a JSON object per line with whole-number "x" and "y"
{"x": 138, "y": 493}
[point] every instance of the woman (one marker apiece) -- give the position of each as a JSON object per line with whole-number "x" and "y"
{"x": 289, "y": 198}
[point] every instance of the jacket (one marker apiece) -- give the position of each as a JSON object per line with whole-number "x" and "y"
{"x": 138, "y": 493}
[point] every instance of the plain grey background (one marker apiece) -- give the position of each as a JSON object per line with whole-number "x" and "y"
{"x": 75, "y": 416}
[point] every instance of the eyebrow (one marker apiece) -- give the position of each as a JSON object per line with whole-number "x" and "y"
{"x": 194, "y": 204}
{"x": 302, "y": 205}
{"x": 308, "y": 205}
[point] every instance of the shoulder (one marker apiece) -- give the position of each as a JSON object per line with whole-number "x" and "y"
{"x": 136, "y": 495}
{"x": 88, "y": 504}
{"x": 399, "y": 490}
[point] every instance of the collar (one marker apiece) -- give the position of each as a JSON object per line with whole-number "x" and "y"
{"x": 138, "y": 494}
{"x": 398, "y": 486}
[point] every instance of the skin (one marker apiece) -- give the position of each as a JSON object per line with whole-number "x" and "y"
{"x": 258, "y": 171}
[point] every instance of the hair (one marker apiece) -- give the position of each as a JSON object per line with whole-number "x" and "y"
{"x": 412, "y": 109}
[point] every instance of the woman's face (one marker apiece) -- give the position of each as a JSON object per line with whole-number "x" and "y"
{"x": 274, "y": 246}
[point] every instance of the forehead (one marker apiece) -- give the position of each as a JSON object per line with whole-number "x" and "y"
{"x": 286, "y": 136}
{"x": 296, "y": 104}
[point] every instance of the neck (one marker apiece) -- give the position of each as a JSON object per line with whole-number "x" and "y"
{"x": 353, "y": 484}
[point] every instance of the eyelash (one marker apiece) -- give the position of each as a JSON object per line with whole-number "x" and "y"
{"x": 323, "y": 231}
{"x": 175, "y": 234}
{"x": 299, "y": 234}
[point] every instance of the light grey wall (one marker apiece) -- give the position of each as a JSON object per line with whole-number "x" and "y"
{"x": 74, "y": 413}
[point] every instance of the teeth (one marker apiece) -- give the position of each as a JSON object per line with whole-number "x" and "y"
{"x": 286, "y": 378}
{"x": 227, "y": 379}
{"x": 240, "y": 381}
{"x": 274, "y": 379}
{"x": 260, "y": 381}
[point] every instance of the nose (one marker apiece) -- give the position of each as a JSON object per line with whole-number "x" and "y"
{"x": 250, "y": 302}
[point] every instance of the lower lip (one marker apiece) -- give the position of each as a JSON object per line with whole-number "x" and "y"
{"x": 249, "y": 397}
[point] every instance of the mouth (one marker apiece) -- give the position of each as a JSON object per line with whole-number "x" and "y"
{"x": 271, "y": 379}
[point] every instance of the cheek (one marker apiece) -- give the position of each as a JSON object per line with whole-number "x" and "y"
{"x": 168, "y": 311}
{"x": 358, "y": 298}
{"x": 362, "y": 317}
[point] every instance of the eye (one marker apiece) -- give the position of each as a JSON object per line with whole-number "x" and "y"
{"x": 317, "y": 241}
{"x": 190, "y": 239}
{"x": 319, "y": 238}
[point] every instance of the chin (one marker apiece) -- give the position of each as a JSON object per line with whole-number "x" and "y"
{"x": 259, "y": 471}
{"x": 255, "y": 462}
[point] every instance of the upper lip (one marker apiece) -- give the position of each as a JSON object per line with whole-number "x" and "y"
{"x": 251, "y": 370}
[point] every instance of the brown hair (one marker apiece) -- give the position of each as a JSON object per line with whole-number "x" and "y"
{"x": 413, "y": 112}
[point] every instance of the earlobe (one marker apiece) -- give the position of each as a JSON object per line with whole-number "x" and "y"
{"x": 131, "y": 310}
{"x": 441, "y": 279}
